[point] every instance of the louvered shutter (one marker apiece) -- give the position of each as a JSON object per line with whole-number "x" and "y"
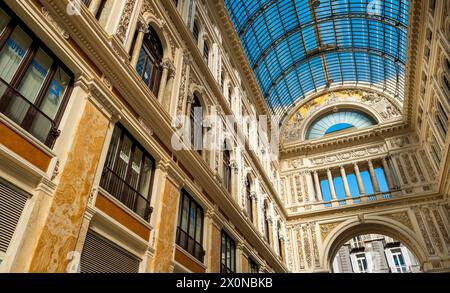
{"x": 102, "y": 256}
{"x": 12, "y": 203}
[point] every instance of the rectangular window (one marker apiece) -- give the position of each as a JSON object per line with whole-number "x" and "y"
{"x": 190, "y": 226}
{"x": 441, "y": 120}
{"x": 361, "y": 262}
{"x": 34, "y": 84}
{"x": 253, "y": 266}
{"x": 128, "y": 173}
{"x": 228, "y": 254}
{"x": 399, "y": 261}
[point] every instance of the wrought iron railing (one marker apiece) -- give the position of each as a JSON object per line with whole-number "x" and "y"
{"x": 126, "y": 194}
{"x": 27, "y": 115}
{"x": 189, "y": 244}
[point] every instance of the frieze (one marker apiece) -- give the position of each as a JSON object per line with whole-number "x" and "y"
{"x": 344, "y": 156}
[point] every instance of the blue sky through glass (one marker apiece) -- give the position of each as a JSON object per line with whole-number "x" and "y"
{"x": 338, "y": 127}
{"x": 293, "y": 48}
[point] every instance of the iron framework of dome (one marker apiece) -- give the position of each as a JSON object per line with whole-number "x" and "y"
{"x": 299, "y": 47}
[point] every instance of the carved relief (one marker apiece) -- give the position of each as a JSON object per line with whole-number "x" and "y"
{"x": 433, "y": 231}
{"x": 424, "y": 232}
{"x": 325, "y": 229}
{"x": 307, "y": 246}
{"x": 401, "y": 217}
{"x": 410, "y": 168}
{"x": 125, "y": 20}
{"x": 300, "y": 248}
{"x": 314, "y": 243}
{"x": 347, "y": 155}
{"x": 442, "y": 228}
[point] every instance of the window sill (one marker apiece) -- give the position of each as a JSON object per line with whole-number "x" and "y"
{"x": 124, "y": 208}
{"x": 26, "y": 135}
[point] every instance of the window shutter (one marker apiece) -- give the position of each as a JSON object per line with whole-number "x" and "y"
{"x": 102, "y": 256}
{"x": 12, "y": 203}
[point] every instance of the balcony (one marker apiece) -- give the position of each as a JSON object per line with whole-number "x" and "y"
{"x": 126, "y": 194}
{"x": 190, "y": 245}
{"x": 27, "y": 115}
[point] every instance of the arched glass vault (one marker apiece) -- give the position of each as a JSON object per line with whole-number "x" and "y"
{"x": 298, "y": 47}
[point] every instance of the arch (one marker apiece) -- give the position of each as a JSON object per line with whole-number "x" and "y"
{"x": 158, "y": 25}
{"x": 374, "y": 225}
{"x": 356, "y": 106}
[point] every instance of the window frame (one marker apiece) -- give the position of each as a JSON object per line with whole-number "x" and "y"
{"x": 361, "y": 260}
{"x": 180, "y": 231}
{"x": 116, "y": 158}
{"x": 37, "y": 44}
{"x": 253, "y": 267}
{"x": 226, "y": 165}
{"x": 224, "y": 269}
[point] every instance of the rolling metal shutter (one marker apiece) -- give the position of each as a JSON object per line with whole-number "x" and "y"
{"x": 100, "y": 255}
{"x": 12, "y": 203}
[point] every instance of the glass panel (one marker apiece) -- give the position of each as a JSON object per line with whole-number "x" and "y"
{"x": 55, "y": 93}
{"x": 147, "y": 170}
{"x": 29, "y": 87}
{"x": 13, "y": 53}
{"x": 184, "y": 222}
{"x": 223, "y": 249}
{"x": 192, "y": 220}
{"x": 35, "y": 76}
{"x": 124, "y": 158}
{"x": 136, "y": 168}
{"x": 112, "y": 152}
{"x": 198, "y": 234}
{"x": 4, "y": 20}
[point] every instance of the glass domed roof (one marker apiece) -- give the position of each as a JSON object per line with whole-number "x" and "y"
{"x": 298, "y": 47}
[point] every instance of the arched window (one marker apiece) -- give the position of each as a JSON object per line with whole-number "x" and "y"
{"x": 195, "y": 31}
{"x": 249, "y": 199}
{"x": 149, "y": 62}
{"x": 196, "y": 118}
{"x": 226, "y": 162}
{"x": 342, "y": 120}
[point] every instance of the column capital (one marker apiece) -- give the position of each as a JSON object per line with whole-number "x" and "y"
{"x": 254, "y": 196}
{"x": 143, "y": 27}
{"x": 168, "y": 65}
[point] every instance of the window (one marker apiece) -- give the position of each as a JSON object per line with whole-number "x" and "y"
{"x": 228, "y": 254}
{"x": 96, "y": 7}
{"x": 399, "y": 261}
{"x": 149, "y": 62}
{"x": 195, "y": 31}
{"x": 128, "y": 173}
{"x": 249, "y": 202}
{"x": 357, "y": 242}
{"x": 206, "y": 52}
{"x": 441, "y": 120}
{"x": 34, "y": 84}
{"x": 190, "y": 226}
{"x": 361, "y": 261}
{"x": 196, "y": 120}
{"x": 253, "y": 267}
{"x": 226, "y": 162}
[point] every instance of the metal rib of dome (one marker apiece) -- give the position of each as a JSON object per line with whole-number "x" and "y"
{"x": 298, "y": 47}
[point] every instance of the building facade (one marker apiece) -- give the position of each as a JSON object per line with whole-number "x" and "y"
{"x": 131, "y": 138}
{"x": 374, "y": 254}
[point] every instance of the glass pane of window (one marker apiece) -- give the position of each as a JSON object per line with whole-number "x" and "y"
{"x": 4, "y": 20}
{"x": 198, "y": 233}
{"x": 192, "y": 221}
{"x": 223, "y": 249}
{"x": 124, "y": 158}
{"x": 55, "y": 93}
{"x": 147, "y": 170}
{"x": 136, "y": 168}
{"x": 112, "y": 152}
{"x": 184, "y": 223}
{"x": 12, "y": 53}
{"x": 35, "y": 76}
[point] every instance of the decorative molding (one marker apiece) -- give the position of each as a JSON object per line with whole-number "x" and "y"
{"x": 54, "y": 23}
{"x": 401, "y": 217}
{"x": 325, "y": 229}
{"x": 124, "y": 23}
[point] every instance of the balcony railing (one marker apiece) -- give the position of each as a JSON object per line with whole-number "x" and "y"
{"x": 190, "y": 245}
{"x": 125, "y": 193}
{"x": 27, "y": 115}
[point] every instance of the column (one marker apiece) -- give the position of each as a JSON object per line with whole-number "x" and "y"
{"x": 344, "y": 180}
{"x": 254, "y": 208}
{"x": 373, "y": 177}
{"x": 331, "y": 184}
{"x": 142, "y": 30}
{"x": 359, "y": 180}
{"x": 163, "y": 82}
{"x": 167, "y": 97}
{"x": 310, "y": 183}
{"x": 270, "y": 232}
{"x": 94, "y": 6}
{"x": 317, "y": 183}
{"x": 389, "y": 175}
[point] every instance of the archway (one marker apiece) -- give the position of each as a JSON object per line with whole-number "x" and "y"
{"x": 350, "y": 229}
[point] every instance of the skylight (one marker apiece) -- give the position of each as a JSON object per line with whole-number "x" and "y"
{"x": 298, "y": 47}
